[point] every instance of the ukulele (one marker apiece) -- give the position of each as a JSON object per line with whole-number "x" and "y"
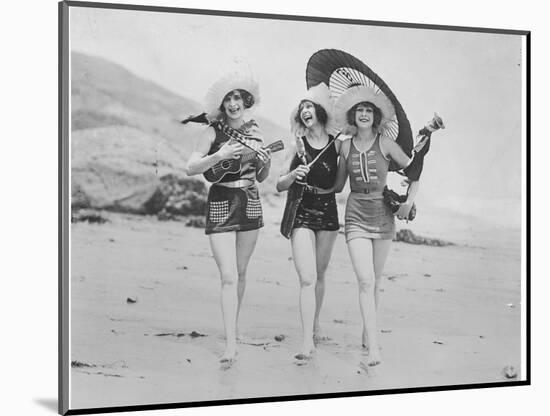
{"x": 223, "y": 167}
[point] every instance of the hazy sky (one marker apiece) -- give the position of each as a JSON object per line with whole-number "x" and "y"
{"x": 472, "y": 79}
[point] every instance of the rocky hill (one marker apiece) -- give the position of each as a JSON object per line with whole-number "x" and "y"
{"x": 127, "y": 142}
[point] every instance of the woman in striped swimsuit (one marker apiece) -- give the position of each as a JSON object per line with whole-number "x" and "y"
{"x": 369, "y": 222}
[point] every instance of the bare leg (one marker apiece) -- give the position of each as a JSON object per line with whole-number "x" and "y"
{"x": 303, "y": 250}
{"x": 361, "y": 253}
{"x": 381, "y": 249}
{"x": 324, "y": 245}
{"x": 245, "y": 244}
{"x": 223, "y": 249}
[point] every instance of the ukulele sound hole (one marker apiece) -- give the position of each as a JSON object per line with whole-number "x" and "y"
{"x": 226, "y": 164}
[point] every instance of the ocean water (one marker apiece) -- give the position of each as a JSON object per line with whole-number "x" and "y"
{"x": 486, "y": 223}
{"x": 464, "y": 219}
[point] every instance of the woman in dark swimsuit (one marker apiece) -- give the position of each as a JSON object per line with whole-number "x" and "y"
{"x": 316, "y": 225}
{"x": 234, "y": 212}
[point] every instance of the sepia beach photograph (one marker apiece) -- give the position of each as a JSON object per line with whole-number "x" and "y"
{"x": 298, "y": 273}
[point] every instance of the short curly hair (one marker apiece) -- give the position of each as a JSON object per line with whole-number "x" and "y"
{"x": 248, "y": 99}
{"x": 350, "y": 115}
{"x": 320, "y": 112}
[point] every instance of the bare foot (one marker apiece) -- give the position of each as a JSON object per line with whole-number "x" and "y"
{"x": 374, "y": 357}
{"x": 365, "y": 339}
{"x": 305, "y": 354}
{"x": 229, "y": 356}
{"x": 318, "y": 335}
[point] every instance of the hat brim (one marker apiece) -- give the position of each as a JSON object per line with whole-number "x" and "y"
{"x": 359, "y": 94}
{"x": 320, "y": 95}
{"x": 229, "y": 82}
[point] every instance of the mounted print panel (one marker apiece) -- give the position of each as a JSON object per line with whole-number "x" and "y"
{"x": 259, "y": 208}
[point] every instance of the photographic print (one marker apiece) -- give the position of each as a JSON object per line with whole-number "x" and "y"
{"x": 260, "y": 208}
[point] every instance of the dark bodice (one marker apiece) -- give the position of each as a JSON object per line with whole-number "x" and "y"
{"x": 323, "y": 172}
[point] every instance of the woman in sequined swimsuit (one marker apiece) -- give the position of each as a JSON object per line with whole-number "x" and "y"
{"x": 316, "y": 224}
{"x": 369, "y": 222}
{"x": 234, "y": 213}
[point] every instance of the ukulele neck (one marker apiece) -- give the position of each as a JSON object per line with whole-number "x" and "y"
{"x": 248, "y": 156}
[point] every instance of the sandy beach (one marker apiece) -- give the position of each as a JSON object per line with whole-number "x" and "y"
{"x": 146, "y": 320}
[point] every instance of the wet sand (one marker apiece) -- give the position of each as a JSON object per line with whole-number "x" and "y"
{"x": 147, "y": 327}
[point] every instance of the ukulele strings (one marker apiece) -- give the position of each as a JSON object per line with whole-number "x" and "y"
{"x": 241, "y": 138}
{"x": 236, "y": 135}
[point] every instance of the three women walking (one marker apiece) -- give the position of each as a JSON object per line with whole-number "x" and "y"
{"x": 321, "y": 163}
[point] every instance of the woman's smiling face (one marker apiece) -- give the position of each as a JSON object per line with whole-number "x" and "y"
{"x": 233, "y": 105}
{"x": 364, "y": 116}
{"x": 308, "y": 114}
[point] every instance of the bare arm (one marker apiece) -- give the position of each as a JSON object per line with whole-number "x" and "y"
{"x": 405, "y": 208}
{"x": 412, "y": 191}
{"x": 200, "y": 161}
{"x": 287, "y": 176}
{"x": 264, "y": 164}
{"x": 263, "y": 156}
{"x": 392, "y": 150}
{"x": 342, "y": 172}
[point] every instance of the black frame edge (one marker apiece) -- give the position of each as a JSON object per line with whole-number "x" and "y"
{"x": 63, "y": 220}
{"x": 64, "y": 208}
{"x": 319, "y": 19}
{"x": 212, "y": 403}
{"x": 528, "y": 207}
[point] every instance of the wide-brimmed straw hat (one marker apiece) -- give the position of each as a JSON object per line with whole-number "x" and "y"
{"x": 359, "y": 94}
{"x": 235, "y": 80}
{"x": 319, "y": 94}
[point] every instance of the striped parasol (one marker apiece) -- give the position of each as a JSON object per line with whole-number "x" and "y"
{"x": 341, "y": 71}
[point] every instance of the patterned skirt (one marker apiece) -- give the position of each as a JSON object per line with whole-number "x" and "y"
{"x": 233, "y": 209}
{"x": 368, "y": 217}
{"x": 317, "y": 212}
